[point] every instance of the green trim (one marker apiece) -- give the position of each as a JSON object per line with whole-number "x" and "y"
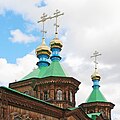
{"x": 73, "y": 108}
{"x": 28, "y": 96}
{"x": 55, "y": 69}
{"x": 93, "y": 115}
{"x": 96, "y": 96}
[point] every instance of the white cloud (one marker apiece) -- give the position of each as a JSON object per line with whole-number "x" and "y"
{"x": 20, "y": 37}
{"x": 11, "y": 72}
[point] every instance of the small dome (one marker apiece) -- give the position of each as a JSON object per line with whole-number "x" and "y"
{"x": 95, "y": 76}
{"x": 43, "y": 48}
{"x": 56, "y": 43}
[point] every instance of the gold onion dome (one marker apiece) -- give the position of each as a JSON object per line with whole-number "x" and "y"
{"x": 95, "y": 76}
{"x": 43, "y": 48}
{"x": 56, "y": 43}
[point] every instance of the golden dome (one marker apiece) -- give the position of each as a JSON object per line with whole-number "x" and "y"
{"x": 56, "y": 43}
{"x": 43, "y": 48}
{"x": 95, "y": 76}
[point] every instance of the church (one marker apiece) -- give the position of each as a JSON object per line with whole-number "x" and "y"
{"x": 47, "y": 93}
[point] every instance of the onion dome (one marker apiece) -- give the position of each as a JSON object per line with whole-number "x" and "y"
{"x": 96, "y": 95}
{"x": 43, "y": 49}
{"x": 43, "y": 53}
{"x": 55, "y": 46}
{"x": 56, "y": 43}
{"x": 95, "y": 76}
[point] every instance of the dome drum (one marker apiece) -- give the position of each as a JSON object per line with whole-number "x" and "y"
{"x": 43, "y": 63}
{"x": 55, "y": 58}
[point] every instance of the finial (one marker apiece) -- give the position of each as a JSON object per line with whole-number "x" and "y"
{"x": 43, "y": 41}
{"x": 95, "y": 55}
{"x": 56, "y": 15}
{"x": 43, "y": 19}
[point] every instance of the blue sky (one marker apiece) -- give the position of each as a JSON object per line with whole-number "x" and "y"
{"x": 12, "y": 50}
{"x": 11, "y": 21}
{"x": 86, "y": 26}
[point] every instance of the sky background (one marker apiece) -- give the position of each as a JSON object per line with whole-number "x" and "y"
{"x": 87, "y": 25}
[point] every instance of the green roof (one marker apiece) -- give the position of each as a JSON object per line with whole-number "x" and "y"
{"x": 72, "y": 108}
{"x": 96, "y": 96}
{"x": 55, "y": 69}
{"x": 36, "y": 73}
{"x": 93, "y": 115}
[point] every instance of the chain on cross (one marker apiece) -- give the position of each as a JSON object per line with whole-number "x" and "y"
{"x": 43, "y": 19}
{"x": 95, "y": 55}
{"x": 56, "y": 15}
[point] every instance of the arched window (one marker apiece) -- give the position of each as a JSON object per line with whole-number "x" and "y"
{"x": 46, "y": 95}
{"x": 59, "y": 95}
{"x": 71, "y": 99}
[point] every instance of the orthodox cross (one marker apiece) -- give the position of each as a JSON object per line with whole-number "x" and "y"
{"x": 95, "y": 55}
{"x": 43, "y": 19}
{"x": 56, "y": 15}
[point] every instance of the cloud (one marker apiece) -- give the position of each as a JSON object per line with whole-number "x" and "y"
{"x": 11, "y": 72}
{"x": 20, "y": 37}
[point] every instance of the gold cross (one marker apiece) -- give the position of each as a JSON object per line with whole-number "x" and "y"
{"x": 56, "y": 15}
{"x": 43, "y": 19}
{"x": 95, "y": 55}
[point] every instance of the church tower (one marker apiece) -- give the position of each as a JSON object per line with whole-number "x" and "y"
{"x": 55, "y": 87}
{"x": 49, "y": 82}
{"x": 96, "y": 103}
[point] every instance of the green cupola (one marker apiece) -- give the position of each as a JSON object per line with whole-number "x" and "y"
{"x": 43, "y": 53}
{"x": 55, "y": 68}
{"x": 96, "y": 95}
{"x": 96, "y": 104}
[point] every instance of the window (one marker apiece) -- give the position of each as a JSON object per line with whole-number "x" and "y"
{"x": 102, "y": 112}
{"x": 71, "y": 99}
{"x": 46, "y": 95}
{"x": 59, "y": 95}
{"x": 64, "y": 95}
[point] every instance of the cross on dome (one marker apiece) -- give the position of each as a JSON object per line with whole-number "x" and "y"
{"x": 56, "y": 15}
{"x": 43, "y": 19}
{"x": 95, "y": 55}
